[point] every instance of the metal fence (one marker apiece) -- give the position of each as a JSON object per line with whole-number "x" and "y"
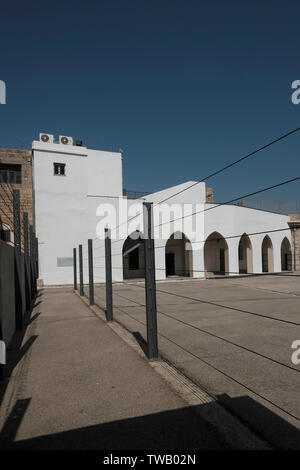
{"x": 280, "y": 207}
{"x": 18, "y": 272}
{"x": 150, "y": 283}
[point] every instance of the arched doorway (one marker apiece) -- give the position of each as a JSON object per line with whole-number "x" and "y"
{"x": 216, "y": 254}
{"x": 179, "y": 257}
{"x": 286, "y": 255}
{"x": 245, "y": 255}
{"x": 133, "y": 256}
{"x": 267, "y": 255}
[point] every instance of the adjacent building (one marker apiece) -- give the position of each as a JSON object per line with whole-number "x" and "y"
{"x": 15, "y": 173}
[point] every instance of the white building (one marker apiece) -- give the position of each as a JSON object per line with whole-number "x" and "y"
{"x": 74, "y": 188}
{"x": 69, "y": 183}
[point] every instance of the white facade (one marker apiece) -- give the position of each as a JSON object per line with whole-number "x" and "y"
{"x": 65, "y": 206}
{"x": 66, "y": 216}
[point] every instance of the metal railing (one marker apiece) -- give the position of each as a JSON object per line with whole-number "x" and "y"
{"x": 280, "y": 207}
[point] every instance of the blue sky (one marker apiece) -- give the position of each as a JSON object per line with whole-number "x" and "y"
{"x": 183, "y": 87}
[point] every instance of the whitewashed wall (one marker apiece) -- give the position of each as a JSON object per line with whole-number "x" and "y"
{"x": 232, "y": 221}
{"x": 66, "y": 209}
{"x": 66, "y": 205}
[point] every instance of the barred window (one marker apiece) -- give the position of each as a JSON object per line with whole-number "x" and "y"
{"x": 10, "y": 173}
{"x": 59, "y": 169}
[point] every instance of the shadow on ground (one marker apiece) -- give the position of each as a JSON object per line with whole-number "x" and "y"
{"x": 16, "y": 349}
{"x": 170, "y": 430}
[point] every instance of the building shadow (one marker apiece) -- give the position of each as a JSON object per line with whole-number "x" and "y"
{"x": 16, "y": 349}
{"x": 268, "y": 425}
{"x": 184, "y": 428}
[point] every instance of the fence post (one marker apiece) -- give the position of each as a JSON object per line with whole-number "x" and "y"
{"x": 80, "y": 272}
{"x": 17, "y": 246}
{"x": 91, "y": 271}
{"x": 75, "y": 268}
{"x": 17, "y": 223}
{"x": 25, "y": 232}
{"x": 108, "y": 276}
{"x": 150, "y": 285}
{"x": 31, "y": 262}
{"x": 28, "y": 285}
{"x": 37, "y": 256}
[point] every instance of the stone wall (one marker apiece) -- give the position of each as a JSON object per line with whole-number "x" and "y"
{"x": 23, "y": 158}
{"x": 209, "y": 195}
{"x": 295, "y": 237}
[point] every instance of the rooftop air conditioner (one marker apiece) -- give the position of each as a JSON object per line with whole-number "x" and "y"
{"x": 47, "y": 138}
{"x": 63, "y": 139}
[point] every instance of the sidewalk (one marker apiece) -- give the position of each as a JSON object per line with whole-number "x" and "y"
{"x": 78, "y": 385}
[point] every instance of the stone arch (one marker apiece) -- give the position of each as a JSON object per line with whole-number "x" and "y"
{"x": 134, "y": 256}
{"x": 179, "y": 256}
{"x": 286, "y": 255}
{"x": 216, "y": 257}
{"x": 267, "y": 255}
{"x": 245, "y": 255}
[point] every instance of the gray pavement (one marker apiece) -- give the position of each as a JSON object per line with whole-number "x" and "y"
{"x": 232, "y": 337}
{"x": 75, "y": 384}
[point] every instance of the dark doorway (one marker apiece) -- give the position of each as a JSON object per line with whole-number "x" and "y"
{"x": 170, "y": 264}
{"x": 286, "y": 261}
{"x": 265, "y": 266}
{"x": 222, "y": 261}
{"x": 286, "y": 255}
{"x": 133, "y": 257}
{"x": 267, "y": 255}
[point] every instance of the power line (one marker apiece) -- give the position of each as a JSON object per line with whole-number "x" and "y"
{"x": 214, "y": 335}
{"x": 207, "y": 241}
{"x": 235, "y": 162}
{"x": 230, "y": 201}
{"x": 223, "y": 306}
{"x": 213, "y": 174}
{"x": 209, "y": 364}
{"x": 216, "y": 206}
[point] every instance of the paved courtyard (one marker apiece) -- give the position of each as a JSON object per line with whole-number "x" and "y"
{"x": 232, "y": 337}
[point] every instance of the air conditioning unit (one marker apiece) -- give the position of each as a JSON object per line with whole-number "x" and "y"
{"x": 47, "y": 138}
{"x": 63, "y": 139}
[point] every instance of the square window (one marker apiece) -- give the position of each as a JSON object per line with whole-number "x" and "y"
{"x": 10, "y": 173}
{"x": 59, "y": 169}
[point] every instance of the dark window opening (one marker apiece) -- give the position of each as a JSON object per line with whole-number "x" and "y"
{"x": 134, "y": 259}
{"x": 59, "y": 168}
{"x": 5, "y": 235}
{"x": 10, "y": 173}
